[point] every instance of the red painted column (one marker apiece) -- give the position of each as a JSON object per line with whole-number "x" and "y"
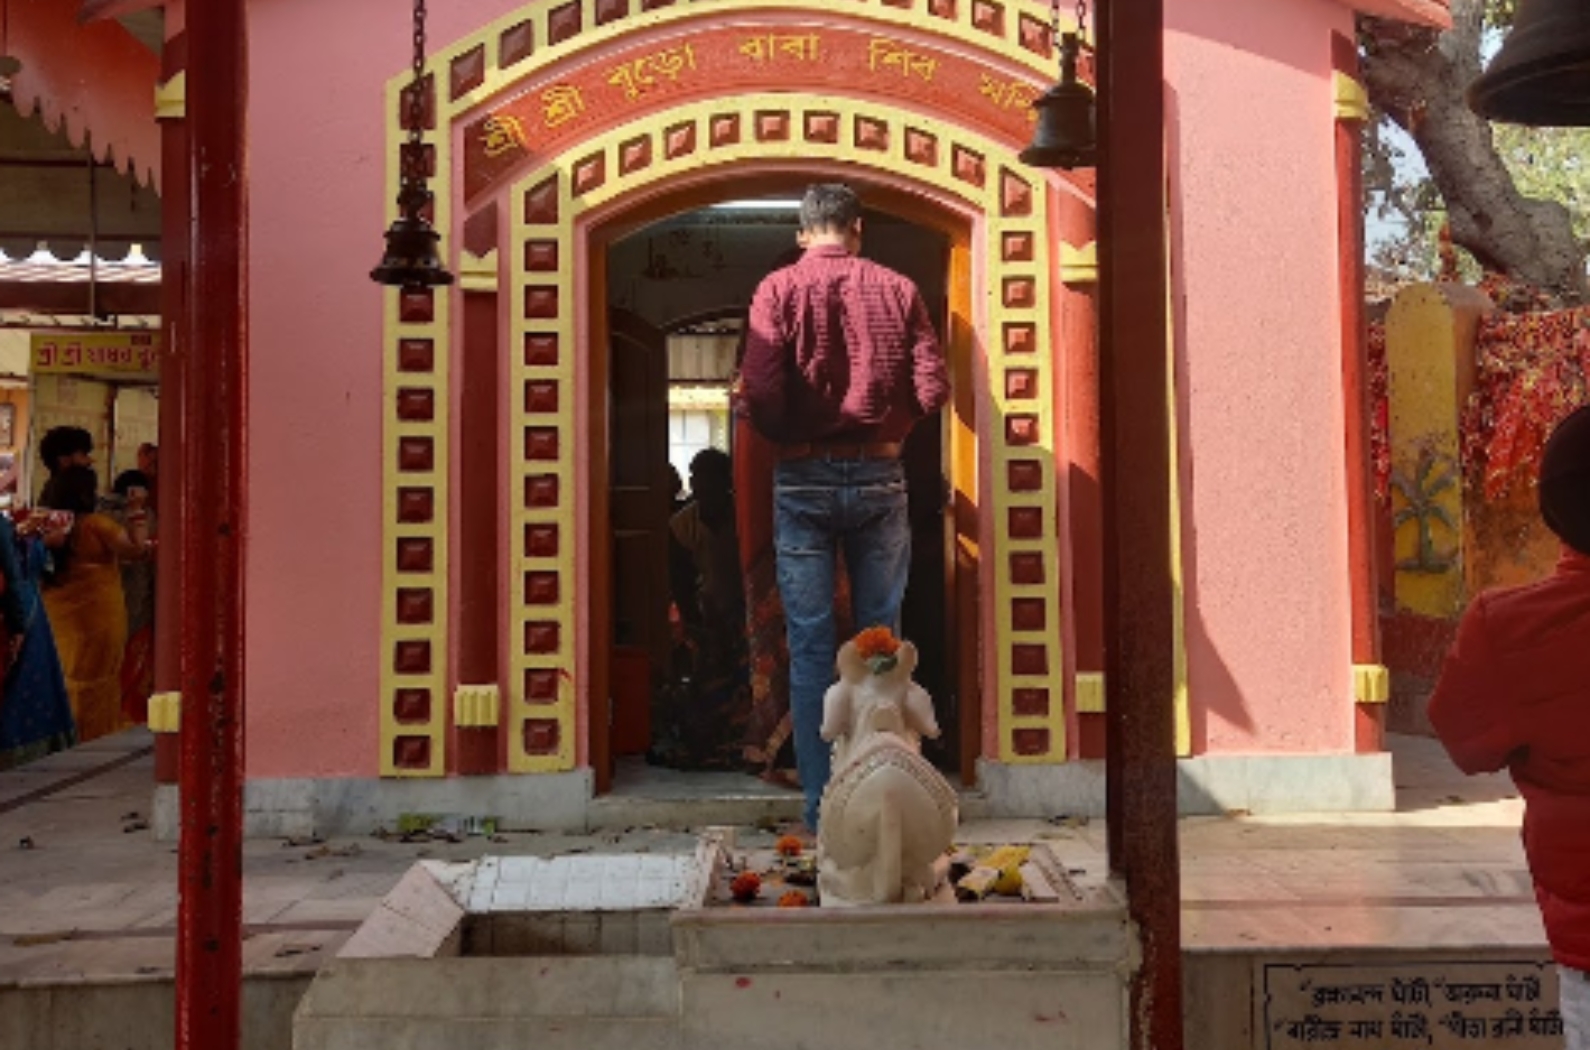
{"x": 479, "y": 749}
{"x": 1369, "y": 728}
{"x": 174, "y": 211}
{"x": 210, "y": 908}
{"x": 1140, "y": 680}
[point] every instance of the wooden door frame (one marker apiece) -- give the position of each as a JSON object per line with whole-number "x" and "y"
{"x": 962, "y": 544}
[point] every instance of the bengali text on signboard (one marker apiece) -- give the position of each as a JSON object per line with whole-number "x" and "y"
{"x": 115, "y": 355}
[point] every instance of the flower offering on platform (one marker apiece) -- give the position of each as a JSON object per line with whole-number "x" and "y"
{"x": 879, "y": 648}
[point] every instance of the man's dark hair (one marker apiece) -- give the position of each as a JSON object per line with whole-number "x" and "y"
{"x": 128, "y": 480}
{"x": 1564, "y": 490}
{"x": 829, "y": 206}
{"x": 713, "y": 465}
{"x": 61, "y": 442}
{"x": 75, "y": 489}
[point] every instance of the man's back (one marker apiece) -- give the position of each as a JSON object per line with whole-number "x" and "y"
{"x": 840, "y": 348}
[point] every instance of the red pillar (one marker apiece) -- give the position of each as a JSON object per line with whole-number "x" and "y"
{"x": 1139, "y": 594}
{"x": 1369, "y": 729}
{"x": 210, "y": 909}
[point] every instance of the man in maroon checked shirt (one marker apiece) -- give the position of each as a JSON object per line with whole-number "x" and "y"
{"x": 841, "y": 360}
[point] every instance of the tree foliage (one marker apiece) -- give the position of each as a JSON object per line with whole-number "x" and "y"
{"x": 1517, "y": 199}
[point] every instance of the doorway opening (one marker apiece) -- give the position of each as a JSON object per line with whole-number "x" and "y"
{"x": 690, "y": 671}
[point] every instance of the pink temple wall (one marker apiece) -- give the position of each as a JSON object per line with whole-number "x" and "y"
{"x": 1264, "y": 515}
{"x": 317, "y": 155}
{"x": 1266, "y": 565}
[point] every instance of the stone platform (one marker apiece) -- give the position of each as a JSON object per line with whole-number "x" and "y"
{"x": 87, "y": 914}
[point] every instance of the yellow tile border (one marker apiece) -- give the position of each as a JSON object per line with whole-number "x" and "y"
{"x": 1350, "y": 98}
{"x": 165, "y": 713}
{"x": 1079, "y": 265}
{"x": 476, "y": 706}
{"x": 1004, "y": 47}
{"x": 478, "y": 273}
{"x": 998, "y": 160}
{"x": 171, "y": 98}
{"x": 1090, "y": 693}
{"x": 1371, "y": 684}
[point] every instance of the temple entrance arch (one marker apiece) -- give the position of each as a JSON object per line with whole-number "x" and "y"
{"x": 931, "y": 241}
{"x": 532, "y": 227}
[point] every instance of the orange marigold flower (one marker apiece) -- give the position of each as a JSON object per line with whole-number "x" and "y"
{"x": 789, "y": 846}
{"x": 876, "y": 641}
{"x": 746, "y": 886}
{"x": 793, "y": 899}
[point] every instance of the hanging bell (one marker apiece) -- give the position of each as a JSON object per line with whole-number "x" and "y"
{"x": 1541, "y": 76}
{"x": 411, "y": 259}
{"x": 1066, "y": 135}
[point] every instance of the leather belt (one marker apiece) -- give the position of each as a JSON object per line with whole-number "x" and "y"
{"x": 839, "y": 450}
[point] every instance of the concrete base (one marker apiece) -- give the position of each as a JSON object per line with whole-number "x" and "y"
{"x": 349, "y": 806}
{"x": 923, "y": 976}
{"x": 135, "y": 1015}
{"x": 1210, "y": 785}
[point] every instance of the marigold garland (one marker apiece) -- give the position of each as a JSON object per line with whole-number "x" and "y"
{"x": 746, "y": 886}
{"x": 789, "y": 846}
{"x": 793, "y": 899}
{"x": 877, "y": 641}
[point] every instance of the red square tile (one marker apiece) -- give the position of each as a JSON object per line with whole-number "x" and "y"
{"x": 412, "y": 752}
{"x": 416, "y": 455}
{"x": 415, "y": 554}
{"x": 541, "y": 349}
{"x": 416, "y": 355}
{"x": 1028, "y": 614}
{"x": 542, "y": 638}
{"x": 542, "y": 735}
{"x": 1026, "y": 569}
{"x": 541, "y": 540}
{"x": 412, "y": 657}
{"x": 541, "y": 588}
{"x": 541, "y": 443}
{"x": 1030, "y": 743}
{"x": 1026, "y": 523}
{"x": 541, "y": 686}
{"x": 416, "y": 405}
{"x": 416, "y": 506}
{"x": 1029, "y": 660}
{"x": 412, "y": 706}
{"x": 541, "y": 491}
{"x": 1030, "y": 703}
{"x": 541, "y": 255}
{"x": 516, "y": 44}
{"x": 541, "y": 396}
{"x": 1024, "y": 475}
{"x": 415, "y": 606}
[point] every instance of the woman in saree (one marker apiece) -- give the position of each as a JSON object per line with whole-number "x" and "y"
{"x": 35, "y": 713}
{"x": 87, "y": 608}
{"x": 135, "y": 488}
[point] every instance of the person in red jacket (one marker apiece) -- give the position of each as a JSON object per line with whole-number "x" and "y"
{"x": 1515, "y": 692}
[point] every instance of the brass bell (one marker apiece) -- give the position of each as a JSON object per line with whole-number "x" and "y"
{"x": 1066, "y": 136}
{"x": 411, "y": 259}
{"x": 1541, "y": 76}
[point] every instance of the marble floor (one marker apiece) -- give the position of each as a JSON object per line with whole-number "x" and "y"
{"x": 86, "y": 894}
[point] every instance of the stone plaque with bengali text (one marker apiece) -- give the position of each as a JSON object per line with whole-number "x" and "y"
{"x": 1439, "y": 1004}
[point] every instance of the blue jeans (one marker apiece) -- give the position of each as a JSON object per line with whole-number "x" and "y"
{"x": 820, "y": 507}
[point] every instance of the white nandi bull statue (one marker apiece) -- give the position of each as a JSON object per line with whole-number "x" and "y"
{"x": 887, "y": 814}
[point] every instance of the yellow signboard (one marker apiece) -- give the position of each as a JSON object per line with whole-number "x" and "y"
{"x": 108, "y": 355}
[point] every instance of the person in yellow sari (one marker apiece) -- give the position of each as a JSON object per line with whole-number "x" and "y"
{"x": 84, "y": 598}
